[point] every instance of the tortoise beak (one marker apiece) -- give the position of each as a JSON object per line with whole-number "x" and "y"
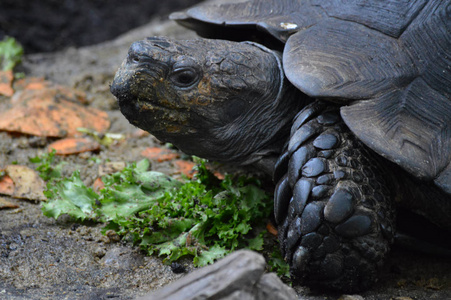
{"x": 137, "y": 61}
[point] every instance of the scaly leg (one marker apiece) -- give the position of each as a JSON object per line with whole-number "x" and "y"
{"x": 333, "y": 206}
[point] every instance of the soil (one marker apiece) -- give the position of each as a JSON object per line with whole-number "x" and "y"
{"x": 41, "y": 258}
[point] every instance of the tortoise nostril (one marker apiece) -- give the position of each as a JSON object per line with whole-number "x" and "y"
{"x": 134, "y": 57}
{"x": 137, "y": 52}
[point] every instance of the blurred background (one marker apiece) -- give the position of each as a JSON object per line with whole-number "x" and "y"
{"x": 51, "y": 25}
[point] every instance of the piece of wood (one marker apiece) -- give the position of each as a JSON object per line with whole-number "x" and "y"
{"x": 239, "y": 275}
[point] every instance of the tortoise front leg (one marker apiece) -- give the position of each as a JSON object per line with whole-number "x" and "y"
{"x": 333, "y": 207}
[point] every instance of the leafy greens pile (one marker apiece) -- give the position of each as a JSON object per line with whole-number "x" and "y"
{"x": 203, "y": 217}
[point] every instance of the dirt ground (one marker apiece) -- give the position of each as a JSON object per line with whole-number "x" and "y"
{"x": 41, "y": 258}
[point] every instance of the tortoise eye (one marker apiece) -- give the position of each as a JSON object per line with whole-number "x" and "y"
{"x": 184, "y": 77}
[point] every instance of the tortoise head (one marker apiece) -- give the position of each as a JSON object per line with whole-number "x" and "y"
{"x": 220, "y": 100}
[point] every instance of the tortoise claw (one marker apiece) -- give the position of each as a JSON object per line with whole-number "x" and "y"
{"x": 283, "y": 195}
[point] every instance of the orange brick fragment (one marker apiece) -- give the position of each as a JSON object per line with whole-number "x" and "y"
{"x": 6, "y": 185}
{"x": 271, "y": 229}
{"x": 219, "y": 175}
{"x": 32, "y": 83}
{"x": 69, "y": 146}
{"x": 160, "y": 154}
{"x": 6, "y": 81}
{"x": 185, "y": 167}
{"x": 52, "y": 113}
{"x": 98, "y": 185}
{"x": 139, "y": 133}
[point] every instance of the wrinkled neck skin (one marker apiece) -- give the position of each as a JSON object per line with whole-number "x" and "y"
{"x": 259, "y": 134}
{"x": 237, "y": 108}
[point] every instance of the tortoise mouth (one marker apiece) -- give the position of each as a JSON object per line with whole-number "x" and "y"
{"x": 154, "y": 118}
{"x": 139, "y": 103}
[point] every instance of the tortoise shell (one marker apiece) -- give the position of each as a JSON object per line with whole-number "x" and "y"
{"x": 388, "y": 62}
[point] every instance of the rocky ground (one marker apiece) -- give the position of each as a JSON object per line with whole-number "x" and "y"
{"x": 41, "y": 258}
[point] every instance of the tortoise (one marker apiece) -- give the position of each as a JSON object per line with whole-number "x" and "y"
{"x": 347, "y": 104}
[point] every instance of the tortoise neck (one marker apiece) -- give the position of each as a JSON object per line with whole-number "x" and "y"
{"x": 267, "y": 164}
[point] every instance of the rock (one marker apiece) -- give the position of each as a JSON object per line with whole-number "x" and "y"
{"x": 240, "y": 275}
{"x": 99, "y": 252}
{"x": 351, "y": 297}
{"x": 271, "y": 287}
{"x": 122, "y": 258}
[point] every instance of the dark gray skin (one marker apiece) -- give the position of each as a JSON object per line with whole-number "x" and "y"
{"x": 199, "y": 96}
{"x": 230, "y": 102}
